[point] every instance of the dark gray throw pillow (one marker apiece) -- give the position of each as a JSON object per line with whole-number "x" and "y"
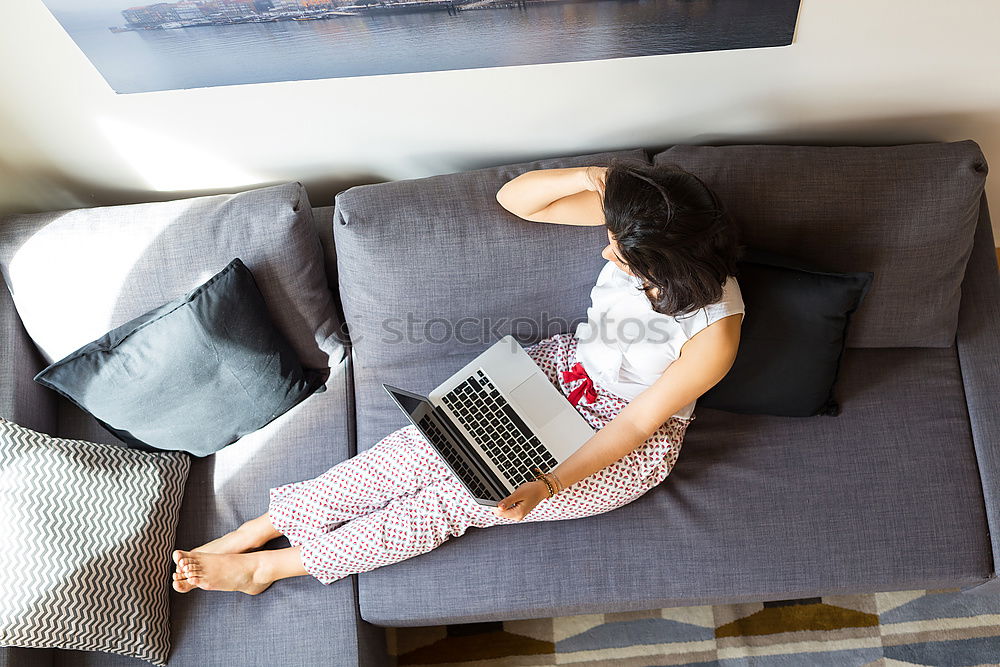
{"x": 195, "y": 374}
{"x": 792, "y": 339}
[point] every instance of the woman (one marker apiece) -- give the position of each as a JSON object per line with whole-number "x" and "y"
{"x": 671, "y": 255}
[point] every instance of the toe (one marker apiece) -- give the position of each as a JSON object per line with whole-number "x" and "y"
{"x": 176, "y": 555}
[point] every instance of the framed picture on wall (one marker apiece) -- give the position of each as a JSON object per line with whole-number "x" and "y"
{"x": 198, "y": 43}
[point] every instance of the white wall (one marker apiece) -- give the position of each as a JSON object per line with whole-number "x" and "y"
{"x": 858, "y": 71}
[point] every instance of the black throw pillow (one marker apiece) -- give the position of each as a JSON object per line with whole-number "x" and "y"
{"x": 195, "y": 374}
{"x": 793, "y": 336}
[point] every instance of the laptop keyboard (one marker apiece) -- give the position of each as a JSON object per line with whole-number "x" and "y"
{"x": 484, "y": 412}
{"x": 454, "y": 459}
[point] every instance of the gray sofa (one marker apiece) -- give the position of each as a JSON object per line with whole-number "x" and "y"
{"x": 899, "y": 491}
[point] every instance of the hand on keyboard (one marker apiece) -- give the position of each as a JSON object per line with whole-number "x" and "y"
{"x": 507, "y": 440}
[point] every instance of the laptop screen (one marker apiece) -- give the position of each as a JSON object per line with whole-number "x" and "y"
{"x": 426, "y": 418}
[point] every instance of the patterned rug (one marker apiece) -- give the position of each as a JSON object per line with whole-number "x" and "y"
{"x": 942, "y": 628}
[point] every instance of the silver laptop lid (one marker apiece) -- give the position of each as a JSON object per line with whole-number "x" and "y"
{"x": 530, "y": 393}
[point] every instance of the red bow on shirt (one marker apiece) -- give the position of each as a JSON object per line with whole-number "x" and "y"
{"x": 586, "y": 387}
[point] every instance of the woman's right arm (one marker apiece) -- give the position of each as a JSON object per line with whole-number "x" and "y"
{"x": 570, "y": 196}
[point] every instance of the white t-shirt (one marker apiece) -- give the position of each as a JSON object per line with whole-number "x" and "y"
{"x": 625, "y": 345}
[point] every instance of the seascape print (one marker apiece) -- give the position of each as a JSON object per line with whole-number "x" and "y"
{"x": 198, "y": 43}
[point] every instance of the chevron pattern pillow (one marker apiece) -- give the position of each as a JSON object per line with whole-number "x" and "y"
{"x": 87, "y": 534}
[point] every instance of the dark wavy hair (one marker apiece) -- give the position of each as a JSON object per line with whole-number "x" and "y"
{"x": 672, "y": 232}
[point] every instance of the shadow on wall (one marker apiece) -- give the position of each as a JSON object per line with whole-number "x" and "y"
{"x": 772, "y": 119}
{"x": 38, "y": 184}
{"x": 886, "y": 130}
{"x": 443, "y": 162}
{"x": 26, "y": 190}
{"x": 35, "y": 184}
{"x": 764, "y": 117}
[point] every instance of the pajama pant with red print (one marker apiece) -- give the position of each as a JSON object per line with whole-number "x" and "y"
{"x": 399, "y": 499}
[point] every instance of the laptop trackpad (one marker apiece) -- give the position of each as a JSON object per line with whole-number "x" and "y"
{"x": 533, "y": 399}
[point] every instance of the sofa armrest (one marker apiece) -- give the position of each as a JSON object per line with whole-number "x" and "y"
{"x": 22, "y": 400}
{"x": 978, "y": 343}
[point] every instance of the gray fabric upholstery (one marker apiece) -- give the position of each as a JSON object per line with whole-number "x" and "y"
{"x": 231, "y": 487}
{"x": 22, "y": 401}
{"x": 978, "y": 341}
{"x": 438, "y": 252}
{"x": 323, "y": 222}
{"x": 323, "y": 216}
{"x": 907, "y": 213}
{"x": 884, "y": 497}
{"x": 27, "y": 403}
{"x": 28, "y": 657}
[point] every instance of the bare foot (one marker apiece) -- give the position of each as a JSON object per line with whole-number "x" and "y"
{"x": 250, "y": 535}
{"x": 180, "y": 584}
{"x": 221, "y": 572}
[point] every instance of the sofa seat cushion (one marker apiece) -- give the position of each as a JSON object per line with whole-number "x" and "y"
{"x": 432, "y": 271}
{"x": 907, "y": 213}
{"x": 230, "y": 487}
{"x": 885, "y": 497}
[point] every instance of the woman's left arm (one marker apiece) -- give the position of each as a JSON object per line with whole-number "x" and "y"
{"x": 704, "y": 360}
{"x": 567, "y": 196}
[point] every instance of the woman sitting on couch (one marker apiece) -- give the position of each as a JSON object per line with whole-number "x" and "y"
{"x": 671, "y": 253}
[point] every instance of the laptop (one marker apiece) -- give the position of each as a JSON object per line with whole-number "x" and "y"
{"x": 495, "y": 420}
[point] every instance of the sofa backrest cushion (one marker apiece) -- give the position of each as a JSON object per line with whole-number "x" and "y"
{"x": 906, "y": 213}
{"x": 75, "y": 275}
{"x": 433, "y": 270}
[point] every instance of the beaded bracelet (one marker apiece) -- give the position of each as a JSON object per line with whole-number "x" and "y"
{"x": 544, "y": 478}
{"x": 559, "y": 484}
{"x": 540, "y": 476}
